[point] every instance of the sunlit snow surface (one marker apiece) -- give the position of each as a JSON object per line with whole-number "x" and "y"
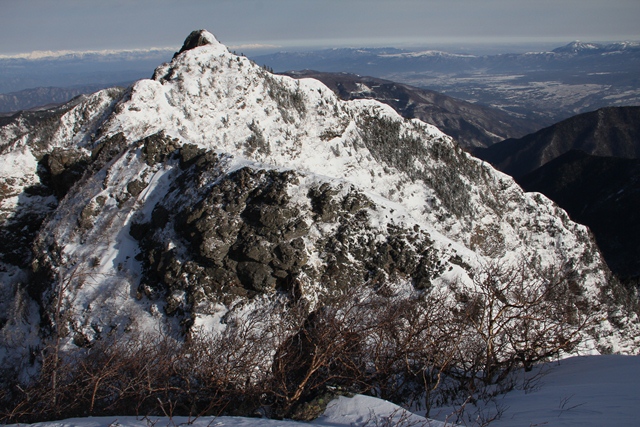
{"x": 579, "y": 391}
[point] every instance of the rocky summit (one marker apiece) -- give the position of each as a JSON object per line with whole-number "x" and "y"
{"x": 216, "y": 187}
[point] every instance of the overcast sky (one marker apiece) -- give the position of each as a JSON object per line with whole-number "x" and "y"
{"x": 41, "y": 25}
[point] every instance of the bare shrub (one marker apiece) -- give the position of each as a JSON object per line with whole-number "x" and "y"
{"x": 326, "y": 350}
{"x": 396, "y": 348}
{"x": 518, "y": 316}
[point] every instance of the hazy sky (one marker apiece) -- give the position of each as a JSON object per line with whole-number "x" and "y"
{"x": 30, "y": 25}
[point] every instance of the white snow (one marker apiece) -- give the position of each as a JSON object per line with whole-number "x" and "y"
{"x": 584, "y": 391}
{"x": 18, "y": 171}
{"x": 362, "y": 410}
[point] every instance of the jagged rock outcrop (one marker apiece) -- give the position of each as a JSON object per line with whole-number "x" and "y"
{"x": 246, "y": 235}
{"x": 195, "y": 39}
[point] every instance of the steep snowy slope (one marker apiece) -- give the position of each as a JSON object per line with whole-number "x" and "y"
{"x": 216, "y": 187}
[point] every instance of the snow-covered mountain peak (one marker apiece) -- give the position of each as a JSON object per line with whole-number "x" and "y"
{"x": 217, "y": 100}
{"x": 217, "y": 186}
{"x": 577, "y": 47}
{"x": 217, "y": 198}
{"x": 199, "y": 38}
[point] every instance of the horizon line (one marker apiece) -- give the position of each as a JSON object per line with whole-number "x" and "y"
{"x": 314, "y": 45}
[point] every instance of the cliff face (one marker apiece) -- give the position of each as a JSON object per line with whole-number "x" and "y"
{"x": 588, "y": 164}
{"x": 602, "y": 193}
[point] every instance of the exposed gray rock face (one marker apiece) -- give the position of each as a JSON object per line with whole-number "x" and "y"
{"x": 195, "y": 39}
{"x": 241, "y": 234}
{"x": 65, "y": 168}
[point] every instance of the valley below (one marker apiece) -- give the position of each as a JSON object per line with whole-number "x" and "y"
{"x": 542, "y": 97}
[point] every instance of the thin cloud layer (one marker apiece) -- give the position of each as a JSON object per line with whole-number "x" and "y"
{"x": 42, "y": 25}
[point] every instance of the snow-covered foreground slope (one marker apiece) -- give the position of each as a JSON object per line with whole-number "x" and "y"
{"x": 579, "y": 391}
{"x": 591, "y": 391}
{"x": 353, "y": 411}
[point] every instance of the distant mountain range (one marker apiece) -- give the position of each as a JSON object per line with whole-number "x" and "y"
{"x": 611, "y": 132}
{"x": 68, "y": 69}
{"x": 390, "y": 60}
{"x": 541, "y": 87}
{"x": 580, "y": 48}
